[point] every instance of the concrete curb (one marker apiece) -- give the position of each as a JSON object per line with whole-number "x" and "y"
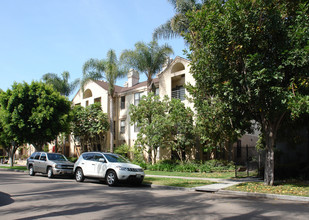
{"x": 14, "y": 170}
{"x": 264, "y": 195}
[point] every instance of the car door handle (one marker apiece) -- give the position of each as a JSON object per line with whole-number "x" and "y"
{"x": 93, "y": 164}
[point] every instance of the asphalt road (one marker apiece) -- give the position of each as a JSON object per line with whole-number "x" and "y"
{"x": 25, "y": 197}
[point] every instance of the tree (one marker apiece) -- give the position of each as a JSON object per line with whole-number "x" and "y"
{"x": 33, "y": 114}
{"x": 182, "y": 127}
{"x": 90, "y": 125}
{"x": 216, "y": 125}
{"x": 178, "y": 24}
{"x": 150, "y": 117}
{"x": 147, "y": 58}
{"x": 61, "y": 85}
{"x": 93, "y": 69}
{"x": 8, "y": 144}
{"x": 251, "y": 55}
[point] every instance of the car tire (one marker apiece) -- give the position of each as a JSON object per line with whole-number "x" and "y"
{"x": 111, "y": 178}
{"x": 50, "y": 173}
{"x": 79, "y": 175}
{"x": 31, "y": 171}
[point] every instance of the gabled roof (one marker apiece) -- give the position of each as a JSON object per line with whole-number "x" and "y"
{"x": 138, "y": 85}
{"x": 105, "y": 86}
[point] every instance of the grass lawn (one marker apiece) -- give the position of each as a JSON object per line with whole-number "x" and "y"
{"x": 292, "y": 188}
{"x": 223, "y": 175}
{"x": 15, "y": 167}
{"x": 175, "y": 182}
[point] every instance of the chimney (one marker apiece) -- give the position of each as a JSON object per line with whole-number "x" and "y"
{"x": 133, "y": 77}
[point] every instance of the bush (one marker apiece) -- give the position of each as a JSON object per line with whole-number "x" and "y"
{"x": 72, "y": 159}
{"x": 203, "y": 167}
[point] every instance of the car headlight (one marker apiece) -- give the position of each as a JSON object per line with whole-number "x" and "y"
{"x": 121, "y": 168}
{"x": 58, "y": 166}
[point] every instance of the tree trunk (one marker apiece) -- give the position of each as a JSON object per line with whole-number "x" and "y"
{"x": 11, "y": 152}
{"x": 270, "y": 156}
{"x": 111, "y": 112}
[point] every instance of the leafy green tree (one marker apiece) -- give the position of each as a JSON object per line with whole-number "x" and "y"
{"x": 8, "y": 144}
{"x": 179, "y": 23}
{"x": 147, "y": 58}
{"x": 109, "y": 69}
{"x": 33, "y": 113}
{"x": 216, "y": 126}
{"x": 253, "y": 56}
{"x": 61, "y": 84}
{"x": 182, "y": 127}
{"x": 150, "y": 117}
{"x": 89, "y": 125}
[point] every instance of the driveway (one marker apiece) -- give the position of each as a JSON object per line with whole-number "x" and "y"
{"x": 25, "y": 197}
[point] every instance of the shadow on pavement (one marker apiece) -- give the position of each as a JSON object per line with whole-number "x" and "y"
{"x": 5, "y": 199}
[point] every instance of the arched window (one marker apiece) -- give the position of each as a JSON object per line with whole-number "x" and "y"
{"x": 87, "y": 94}
{"x": 178, "y": 67}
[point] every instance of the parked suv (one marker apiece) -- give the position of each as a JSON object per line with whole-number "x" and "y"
{"x": 108, "y": 166}
{"x": 50, "y": 163}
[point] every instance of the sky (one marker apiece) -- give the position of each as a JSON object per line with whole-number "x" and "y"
{"x": 52, "y": 36}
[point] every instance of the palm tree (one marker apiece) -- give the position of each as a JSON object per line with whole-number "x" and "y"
{"x": 147, "y": 58}
{"x": 61, "y": 84}
{"x": 111, "y": 70}
{"x": 179, "y": 23}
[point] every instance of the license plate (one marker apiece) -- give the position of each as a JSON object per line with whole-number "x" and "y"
{"x": 138, "y": 176}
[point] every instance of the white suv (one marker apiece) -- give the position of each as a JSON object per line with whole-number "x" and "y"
{"x": 108, "y": 166}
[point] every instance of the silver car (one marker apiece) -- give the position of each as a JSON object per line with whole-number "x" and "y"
{"x": 50, "y": 163}
{"x": 107, "y": 166}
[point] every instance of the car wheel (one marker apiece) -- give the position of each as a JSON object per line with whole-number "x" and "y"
{"x": 79, "y": 175}
{"x": 50, "y": 172}
{"x": 31, "y": 171}
{"x": 111, "y": 178}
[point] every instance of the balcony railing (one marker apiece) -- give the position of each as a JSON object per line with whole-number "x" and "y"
{"x": 179, "y": 94}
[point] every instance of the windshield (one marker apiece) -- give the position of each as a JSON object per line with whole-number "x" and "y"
{"x": 59, "y": 157}
{"x": 115, "y": 158}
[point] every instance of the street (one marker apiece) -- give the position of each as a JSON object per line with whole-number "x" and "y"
{"x": 37, "y": 197}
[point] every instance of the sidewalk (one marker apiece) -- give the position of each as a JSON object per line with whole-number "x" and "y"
{"x": 225, "y": 183}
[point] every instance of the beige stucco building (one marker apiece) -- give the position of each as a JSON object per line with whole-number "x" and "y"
{"x": 170, "y": 82}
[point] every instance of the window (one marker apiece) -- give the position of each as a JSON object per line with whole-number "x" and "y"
{"x": 123, "y": 102}
{"x": 136, "y": 128}
{"x": 43, "y": 157}
{"x": 179, "y": 93}
{"x": 97, "y": 156}
{"x": 37, "y": 156}
{"x": 137, "y": 97}
{"x": 87, "y": 103}
{"x": 157, "y": 91}
{"x": 122, "y": 126}
{"x": 97, "y": 100}
{"x": 88, "y": 156}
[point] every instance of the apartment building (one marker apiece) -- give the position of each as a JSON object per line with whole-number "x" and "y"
{"x": 170, "y": 81}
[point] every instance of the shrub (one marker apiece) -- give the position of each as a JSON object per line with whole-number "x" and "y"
{"x": 203, "y": 167}
{"x": 72, "y": 159}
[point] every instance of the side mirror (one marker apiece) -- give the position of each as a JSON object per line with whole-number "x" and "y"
{"x": 102, "y": 160}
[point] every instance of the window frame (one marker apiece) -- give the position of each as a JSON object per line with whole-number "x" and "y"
{"x": 122, "y": 126}
{"x": 122, "y": 102}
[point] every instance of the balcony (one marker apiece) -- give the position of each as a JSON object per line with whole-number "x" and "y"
{"x": 179, "y": 93}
